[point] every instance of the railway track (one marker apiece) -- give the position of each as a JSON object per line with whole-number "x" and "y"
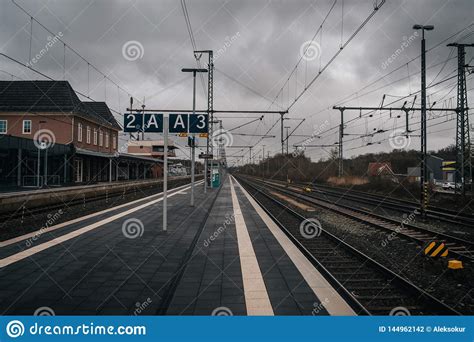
{"x": 460, "y": 248}
{"x": 23, "y": 212}
{"x": 361, "y": 280}
{"x": 391, "y": 203}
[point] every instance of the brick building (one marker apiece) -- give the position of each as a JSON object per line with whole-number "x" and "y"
{"x": 49, "y": 137}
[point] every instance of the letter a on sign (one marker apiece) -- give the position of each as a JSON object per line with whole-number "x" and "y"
{"x": 178, "y": 123}
{"x": 154, "y": 123}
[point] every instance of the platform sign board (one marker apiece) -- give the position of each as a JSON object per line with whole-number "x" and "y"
{"x": 206, "y": 156}
{"x": 153, "y": 123}
{"x": 198, "y": 123}
{"x": 179, "y": 123}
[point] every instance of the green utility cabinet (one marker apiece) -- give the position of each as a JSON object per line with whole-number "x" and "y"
{"x": 216, "y": 181}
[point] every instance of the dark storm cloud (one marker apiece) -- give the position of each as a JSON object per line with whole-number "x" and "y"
{"x": 255, "y": 42}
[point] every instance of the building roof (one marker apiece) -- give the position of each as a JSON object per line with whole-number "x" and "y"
{"x": 51, "y": 96}
{"x": 101, "y": 109}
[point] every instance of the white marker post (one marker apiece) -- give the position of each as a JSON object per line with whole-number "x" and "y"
{"x": 194, "y": 71}
{"x": 165, "y": 171}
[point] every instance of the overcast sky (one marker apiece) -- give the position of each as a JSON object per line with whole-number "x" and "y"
{"x": 258, "y": 43}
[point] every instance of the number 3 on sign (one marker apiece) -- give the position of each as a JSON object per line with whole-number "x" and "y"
{"x": 198, "y": 123}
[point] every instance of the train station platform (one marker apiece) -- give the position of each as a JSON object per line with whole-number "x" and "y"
{"x": 224, "y": 256}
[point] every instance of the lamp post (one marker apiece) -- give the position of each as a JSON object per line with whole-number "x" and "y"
{"x": 423, "y": 170}
{"x": 193, "y": 139}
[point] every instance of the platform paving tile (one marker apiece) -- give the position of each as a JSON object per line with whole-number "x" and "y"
{"x": 102, "y": 270}
{"x": 48, "y": 235}
{"x": 280, "y": 275}
{"x": 214, "y": 267}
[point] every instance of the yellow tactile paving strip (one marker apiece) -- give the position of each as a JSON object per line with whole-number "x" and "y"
{"x": 333, "y": 302}
{"x": 257, "y": 301}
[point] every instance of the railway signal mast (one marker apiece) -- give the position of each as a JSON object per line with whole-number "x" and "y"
{"x": 463, "y": 143}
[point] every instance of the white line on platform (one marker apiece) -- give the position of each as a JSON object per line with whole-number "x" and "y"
{"x": 324, "y": 291}
{"x": 82, "y": 218}
{"x": 36, "y": 249}
{"x": 256, "y": 295}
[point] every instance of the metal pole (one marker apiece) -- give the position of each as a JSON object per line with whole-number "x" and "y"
{"x": 165, "y": 172}
{"x": 143, "y": 122}
{"x": 45, "y": 167}
{"x": 205, "y": 164}
{"x": 39, "y": 167}
{"x": 341, "y": 150}
{"x": 423, "y": 176}
{"x": 281, "y": 131}
{"x": 193, "y": 142}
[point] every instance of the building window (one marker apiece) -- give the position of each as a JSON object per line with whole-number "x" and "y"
{"x": 79, "y": 132}
{"x": 88, "y": 135}
{"x": 26, "y": 126}
{"x": 107, "y": 140}
{"x": 114, "y": 142}
{"x": 95, "y": 136}
{"x": 101, "y": 138}
{"x": 3, "y": 126}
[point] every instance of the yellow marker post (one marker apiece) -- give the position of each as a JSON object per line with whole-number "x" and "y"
{"x": 435, "y": 249}
{"x": 455, "y": 264}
